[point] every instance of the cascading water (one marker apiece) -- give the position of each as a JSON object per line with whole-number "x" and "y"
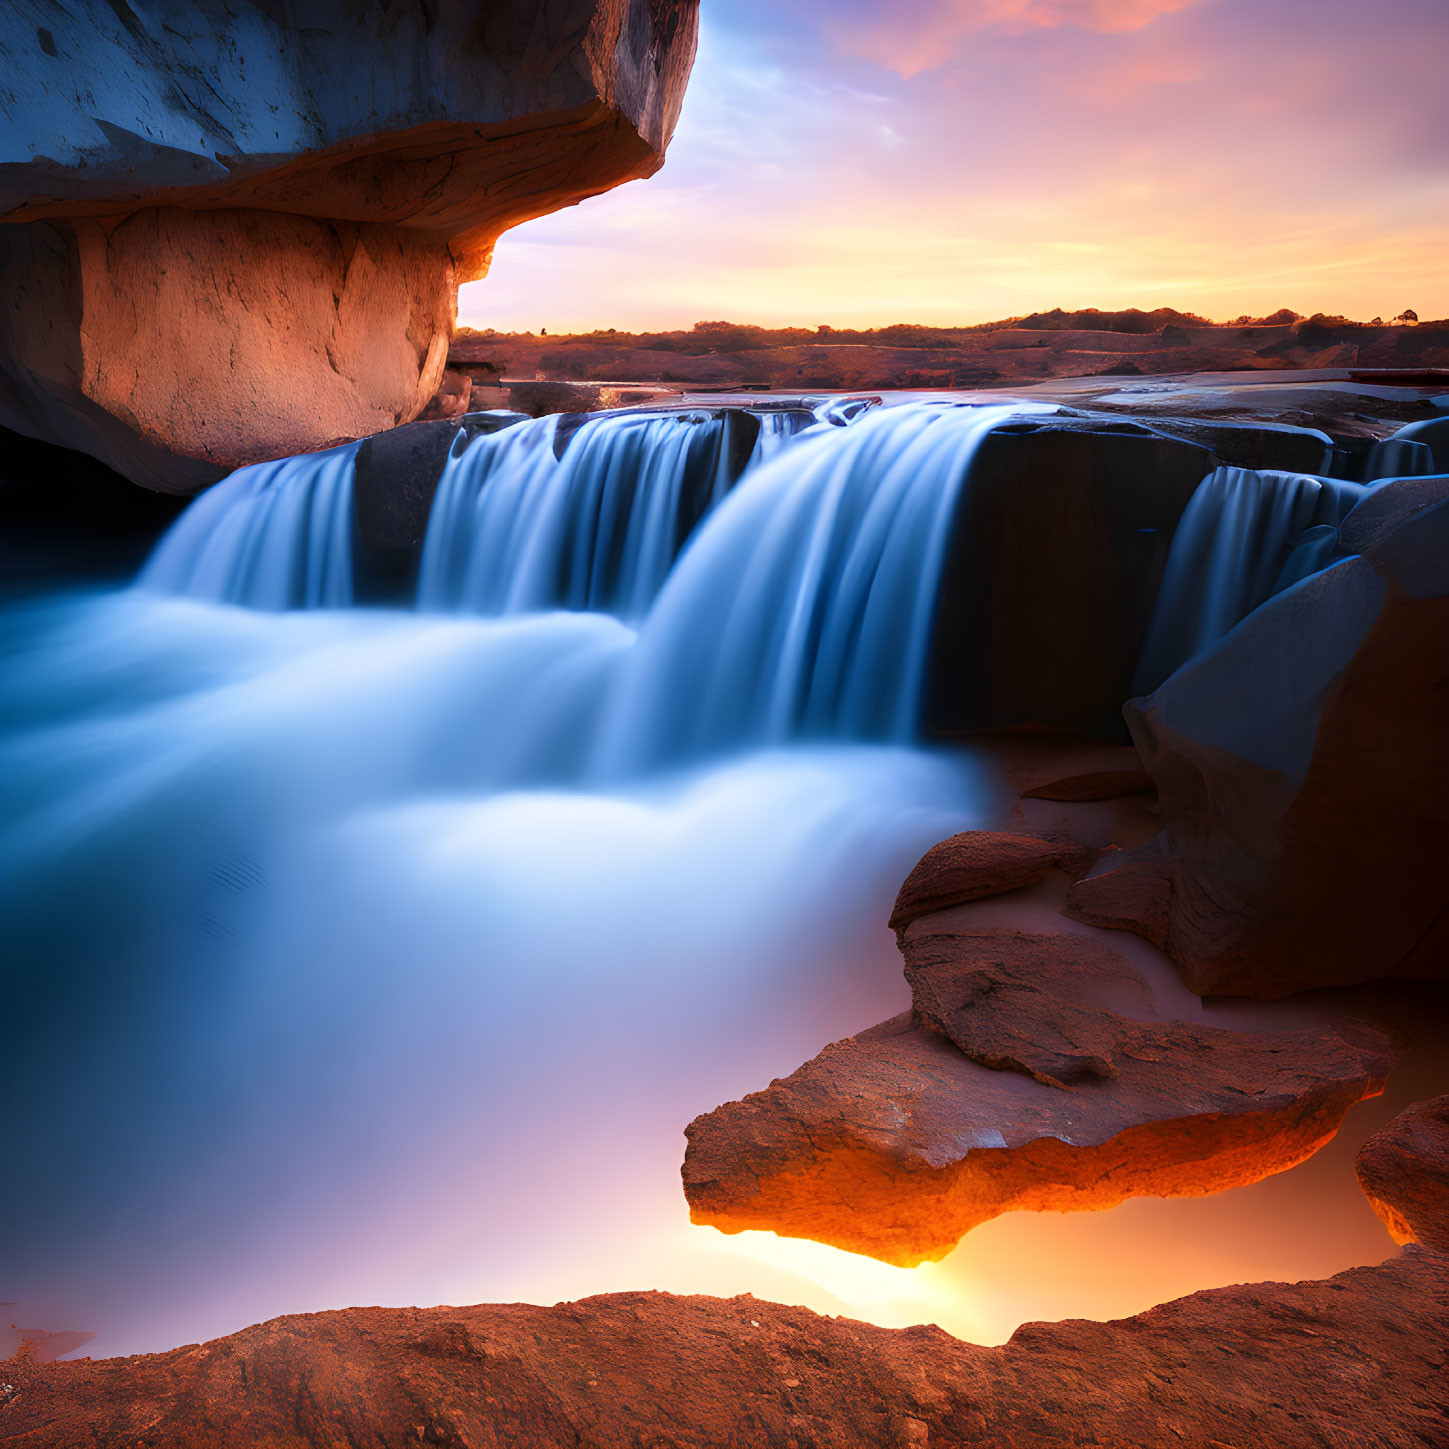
{"x": 806, "y": 608}
{"x": 583, "y": 514}
{"x": 1244, "y": 536}
{"x": 305, "y": 910}
{"x": 273, "y": 536}
{"x": 531, "y": 519}
{"x": 375, "y": 956}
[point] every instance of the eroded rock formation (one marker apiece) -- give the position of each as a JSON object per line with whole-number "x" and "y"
{"x": 1404, "y": 1172}
{"x": 1303, "y": 771}
{"x": 1031, "y": 1074}
{"x": 973, "y": 864}
{"x": 1358, "y": 1359}
{"x": 235, "y": 231}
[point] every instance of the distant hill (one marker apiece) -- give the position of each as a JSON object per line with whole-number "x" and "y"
{"x": 730, "y": 355}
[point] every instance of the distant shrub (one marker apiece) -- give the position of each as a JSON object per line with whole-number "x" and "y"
{"x": 1090, "y": 319}
{"x": 1283, "y": 317}
{"x": 1321, "y": 329}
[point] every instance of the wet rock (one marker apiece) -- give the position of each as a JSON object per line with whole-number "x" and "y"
{"x": 395, "y": 476}
{"x": 1432, "y": 434}
{"x": 263, "y": 216}
{"x": 1404, "y": 1172}
{"x": 1303, "y": 771}
{"x": 1242, "y": 1366}
{"x": 974, "y": 864}
{"x": 1032, "y": 1075}
{"x": 1057, "y": 555}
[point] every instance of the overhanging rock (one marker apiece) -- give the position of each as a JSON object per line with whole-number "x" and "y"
{"x": 236, "y": 230}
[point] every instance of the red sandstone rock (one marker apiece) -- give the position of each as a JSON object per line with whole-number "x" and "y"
{"x": 206, "y": 264}
{"x": 451, "y": 399}
{"x": 1032, "y": 1077}
{"x": 1404, "y": 1172}
{"x": 1012, "y": 1001}
{"x": 1129, "y": 890}
{"x": 1357, "y": 1361}
{"x": 971, "y": 865}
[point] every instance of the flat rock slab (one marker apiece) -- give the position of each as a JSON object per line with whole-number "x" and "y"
{"x": 1029, "y": 1076}
{"x": 1404, "y": 1172}
{"x": 1358, "y": 1360}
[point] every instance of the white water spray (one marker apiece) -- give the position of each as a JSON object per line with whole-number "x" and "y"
{"x": 273, "y": 536}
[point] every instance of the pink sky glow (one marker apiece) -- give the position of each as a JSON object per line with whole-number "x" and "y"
{"x": 861, "y": 162}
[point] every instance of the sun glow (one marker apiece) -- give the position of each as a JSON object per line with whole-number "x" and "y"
{"x": 878, "y": 1292}
{"x": 1112, "y": 153}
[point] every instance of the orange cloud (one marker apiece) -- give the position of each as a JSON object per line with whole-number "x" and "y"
{"x": 922, "y": 34}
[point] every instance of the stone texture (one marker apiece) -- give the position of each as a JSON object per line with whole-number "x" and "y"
{"x": 1302, "y": 770}
{"x": 1249, "y": 444}
{"x": 1031, "y": 1076}
{"x": 1404, "y": 1172}
{"x": 1126, "y": 890}
{"x": 262, "y": 210}
{"x": 455, "y": 391}
{"x": 1057, "y": 556}
{"x": 1358, "y": 1360}
{"x": 1018, "y": 1002}
{"x": 395, "y": 476}
{"x": 973, "y": 864}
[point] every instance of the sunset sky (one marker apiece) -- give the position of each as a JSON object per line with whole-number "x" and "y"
{"x": 860, "y": 162}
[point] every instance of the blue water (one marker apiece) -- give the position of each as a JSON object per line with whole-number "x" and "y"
{"x": 347, "y": 960}
{"x": 360, "y": 956}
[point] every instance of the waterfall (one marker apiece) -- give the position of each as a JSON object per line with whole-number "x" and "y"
{"x": 583, "y": 515}
{"x": 1243, "y": 537}
{"x": 806, "y": 607}
{"x": 415, "y": 897}
{"x": 803, "y": 607}
{"x": 272, "y": 536}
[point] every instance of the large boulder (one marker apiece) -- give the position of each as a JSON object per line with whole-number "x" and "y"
{"x": 1058, "y": 551}
{"x": 1302, "y": 769}
{"x": 234, "y": 229}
